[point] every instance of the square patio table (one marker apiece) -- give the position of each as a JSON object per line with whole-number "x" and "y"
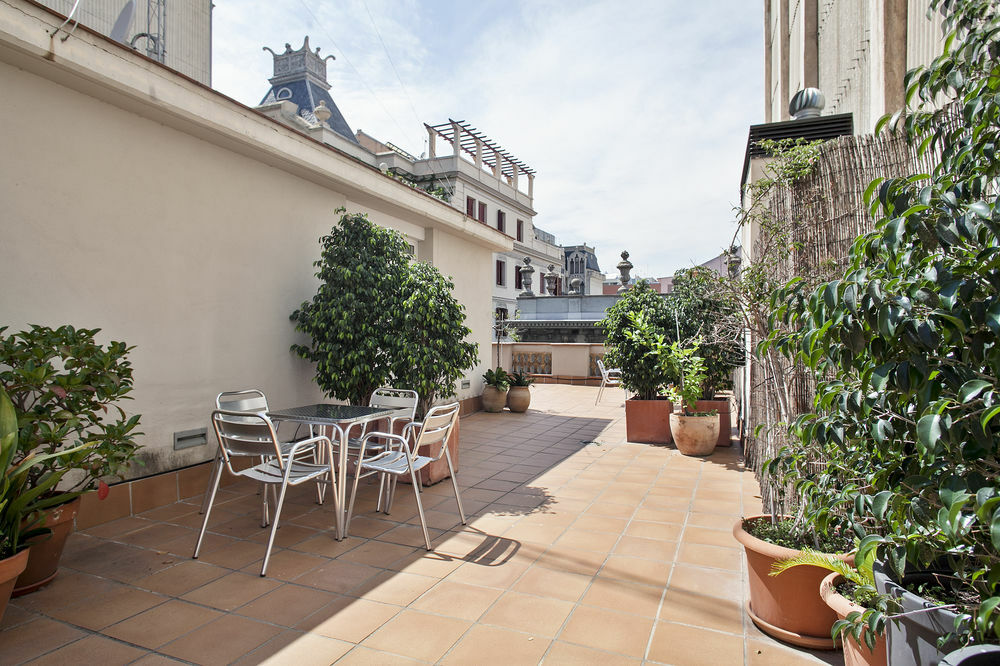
{"x": 341, "y": 418}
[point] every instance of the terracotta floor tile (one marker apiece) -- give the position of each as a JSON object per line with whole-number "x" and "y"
{"x": 362, "y": 656}
{"x": 410, "y": 535}
{"x": 106, "y": 609}
{"x": 341, "y": 577}
{"x": 596, "y": 523}
{"x": 67, "y": 589}
{"x": 487, "y": 575}
{"x": 325, "y": 545}
{"x": 182, "y": 577}
{"x": 660, "y": 515}
{"x": 34, "y": 639}
{"x": 712, "y": 520}
{"x": 572, "y": 560}
{"x": 649, "y": 530}
{"x": 565, "y": 654}
{"x": 710, "y": 537}
{"x": 771, "y": 653}
{"x": 301, "y": 649}
{"x": 683, "y": 607}
{"x": 636, "y": 570}
{"x": 231, "y": 591}
{"x": 622, "y": 511}
{"x": 537, "y": 532}
{"x": 156, "y": 660}
{"x": 158, "y": 534}
{"x": 679, "y": 644}
{"x": 349, "y": 619}
{"x": 425, "y": 636}
{"x": 608, "y": 630}
{"x": 288, "y": 535}
{"x": 14, "y": 616}
{"x": 528, "y": 613}
{"x": 394, "y": 587}
{"x": 708, "y": 582}
{"x": 221, "y": 642}
{"x": 287, "y": 565}
{"x": 653, "y": 549}
{"x": 93, "y": 649}
{"x": 710, "y": 556}
{"x": 162, "y": 624}
{"x": 467, "y": 602}
{"x": 544, "y": 582}
{"x": 118, "y": 528}
{"x": 624, "y": 596}
{"x": 377, "y": 554}
{"x": 425, "y": 563}
{"x": 236, "y": 555}
{"x": 587, "y": 540}
{"x": 494, "y": 645}
{"x": 287, "y": 605}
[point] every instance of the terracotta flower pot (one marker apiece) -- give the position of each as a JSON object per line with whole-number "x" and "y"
{"x": 725, "y": 420}
{"x": 494, "y": 400}
{"x": 518, "y": 398}
{"x": 788, "y": 606}
{"x": 854, "y": 654}
{"x": 648, "y": 421}
{"x": 10, "y": 569}
{"x": 46, "y": 550}
{"x": 695, "y": 435}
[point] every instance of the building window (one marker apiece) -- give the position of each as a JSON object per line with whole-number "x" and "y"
{"x": 518, "y": 279}
{"x": 482, "y": 212}
{"x": 502, "y": 221}
{"x": 470, "y": 207}
{"x": 520, "y": 230}
{"x": 501, "y": 272}
{"x": 501, "y": 314}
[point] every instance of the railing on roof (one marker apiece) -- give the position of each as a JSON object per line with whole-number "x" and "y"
{"x": 470, "y": 139}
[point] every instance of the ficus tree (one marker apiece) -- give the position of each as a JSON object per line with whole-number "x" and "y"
{"x": 633, "y": 326}
{"x": 907, "y": 342}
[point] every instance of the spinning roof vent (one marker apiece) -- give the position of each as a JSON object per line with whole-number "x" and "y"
{"x": 807, "y": 103}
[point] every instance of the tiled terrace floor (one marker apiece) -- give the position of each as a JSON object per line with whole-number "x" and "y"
{"x": 582, "y": 549}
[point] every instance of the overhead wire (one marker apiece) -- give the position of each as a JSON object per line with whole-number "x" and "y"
{"x": 351, "y": 65}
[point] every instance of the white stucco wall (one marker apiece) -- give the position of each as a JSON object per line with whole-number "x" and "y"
{"x": 130, "y": 204}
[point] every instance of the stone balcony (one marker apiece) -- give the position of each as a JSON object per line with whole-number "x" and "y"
{"x": 580, "y": 548}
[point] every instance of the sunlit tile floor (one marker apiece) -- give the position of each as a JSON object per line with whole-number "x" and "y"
{"x": 580, "y": 548}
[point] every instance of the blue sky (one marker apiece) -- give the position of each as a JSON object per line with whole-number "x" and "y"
{"x": 634, "y": 115}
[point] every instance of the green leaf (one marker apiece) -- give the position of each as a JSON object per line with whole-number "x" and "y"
{"x": 971, "y": 389}
{"x": 995, "y": 529}
{"x": 988, "y": 416}
{"x": 929, "y": 432}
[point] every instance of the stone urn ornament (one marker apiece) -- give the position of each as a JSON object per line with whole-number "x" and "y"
{"x": 625, "y": 268}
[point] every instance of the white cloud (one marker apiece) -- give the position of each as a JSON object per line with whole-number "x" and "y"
{"x": 634, "y": 115}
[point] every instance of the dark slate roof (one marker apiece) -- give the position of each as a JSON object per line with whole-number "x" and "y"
{"x": 307, "y": 96}
{"x": 591, "y": 257}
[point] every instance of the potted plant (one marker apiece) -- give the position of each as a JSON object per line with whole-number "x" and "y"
{"x": 64, "y": 387}
{"x": 850, "y": 592}
{"x": 21, "y": 509}
{"x": 634, "y": 327}
{"x": 519, "y": 395}
{"x": 495, "y": 391}
{"x": 695, "y": 433}
{"x": 902, "y": 441}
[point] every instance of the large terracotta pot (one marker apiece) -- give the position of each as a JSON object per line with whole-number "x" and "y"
{"x": 46, "y": 550}
{"x": 438, "y": 471}
{"x": 725, "y": 420}
{"x": 10, "y": 569}
{"x": 854, "y": 654}
{"x": 695, "y": 435}
{"x": 787, "y": 606}
{"x": 494, "y": 400}
{"x": 648, "y": 421}
{"x": 518, "y": 398}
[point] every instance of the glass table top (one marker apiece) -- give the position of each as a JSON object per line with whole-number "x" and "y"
{"x": 332, "y": 414}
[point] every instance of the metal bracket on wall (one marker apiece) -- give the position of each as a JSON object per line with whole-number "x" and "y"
{"x": 186, "y": 439}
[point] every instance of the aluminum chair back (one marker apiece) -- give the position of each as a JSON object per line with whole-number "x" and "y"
{"x": 436, "y": 429}
{"x": 251, "y": 400}
{"x": 245, "y": 434}
{"x": 394, "y": 398}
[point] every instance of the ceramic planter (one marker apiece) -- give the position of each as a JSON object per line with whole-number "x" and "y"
{"x": 10, "y": 569}
{"x": 648, "y": 421}
{"x": 725, "y": 421}
{"x": 494, "y": 400}
{"x": 912, "y": 639}
{"x": 854, "y": 654}
{"x": 695, "y": 435}
{"x": 973, "y": 655}
{"x": 46, "y": 550}
{"x": 518, "y": 398}
{"x": 788, "y": 606}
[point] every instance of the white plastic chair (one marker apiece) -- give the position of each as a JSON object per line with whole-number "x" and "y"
{"x": 402, "y": 457}
{"x": 609, "y": 377}
{"x": 243, "y": 434}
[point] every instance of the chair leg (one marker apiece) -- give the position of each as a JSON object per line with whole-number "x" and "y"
{"x": 274, "y": 528}
{"x": 350, "y": 505}
{"x": 600, "y": 392}
{"x": 454, "y": 483}
{"x": 210, "y": 496}
{"x": 213, "y": 477}
{"x": 420, "y": 508}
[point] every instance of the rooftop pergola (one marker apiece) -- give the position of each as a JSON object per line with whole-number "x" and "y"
{"x": 482, "y": 149}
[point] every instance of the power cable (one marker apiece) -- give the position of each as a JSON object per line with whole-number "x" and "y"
{"x": 416, "y": 116}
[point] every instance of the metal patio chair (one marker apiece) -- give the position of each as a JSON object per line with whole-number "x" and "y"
{"x": 609, "y": 377}
{"x": 402, "y": 457}
{"x": 242, "y": 434}
{"x": 386, "y": 396}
